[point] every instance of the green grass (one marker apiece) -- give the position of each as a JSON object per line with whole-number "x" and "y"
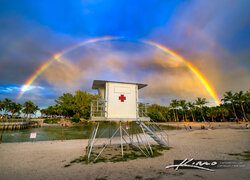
{"x": 102, "y": 178}
{"x": 245, "y": 155}
{"x": 138, "y": 177}
{"x": 234, "y": 154}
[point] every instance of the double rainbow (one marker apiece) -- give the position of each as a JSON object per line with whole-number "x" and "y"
{"x": 198, "y": 74}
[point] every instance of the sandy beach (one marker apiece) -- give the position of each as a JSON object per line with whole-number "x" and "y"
{"x": 46, "y": 160}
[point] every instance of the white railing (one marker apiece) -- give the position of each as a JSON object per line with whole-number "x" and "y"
{"x": 142, "y": 109}
{"x": 159, "y": 131}
{"x": 98, "y": 108}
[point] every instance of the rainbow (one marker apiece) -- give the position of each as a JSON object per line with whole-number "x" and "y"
{"x": 55, "y": 57}
{"x": 198, "y": 74}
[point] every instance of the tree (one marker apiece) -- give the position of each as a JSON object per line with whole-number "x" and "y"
{"x": 212, "y": 113}
{"x": 183, "y": 105}
{"x": 191, "y": 108}
{"x": 223, "y": 111}
{"x": 68, "y": 104}
{"x": 29, "y": 108}
{"x": 1, "y": 106}
{"x": 15, "y": 108}
{"x": 79, "y": 104}
{"x": 174, "y": 105}
{"x": 6, "y": 105}
{"x": 58, "y": 110}
{"x": 230, "y": 97}
{"x": 35, "y": 109}
{"x": 43, "y": 112}
{"x": 200, "y": 102}
{"x": 83, "y": 103}
{"x": 156, "y": 116}
{"x": 240, "y": 98}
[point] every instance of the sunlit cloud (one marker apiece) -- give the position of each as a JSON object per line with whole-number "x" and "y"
{"x": 16, "y": 89}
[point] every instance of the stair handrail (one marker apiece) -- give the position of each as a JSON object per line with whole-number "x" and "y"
{"x": 162, "y": 132}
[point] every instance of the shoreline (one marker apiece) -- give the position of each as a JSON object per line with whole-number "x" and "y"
{"x": 184, "y": 126}
{"x": 117, "y": 138}
{"x": 215, "y": 125}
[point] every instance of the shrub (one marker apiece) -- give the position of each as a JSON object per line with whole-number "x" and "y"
{"x": 52, "y": 121}
{"x": 75, "y": 118}
{"x": 156, "y": 116}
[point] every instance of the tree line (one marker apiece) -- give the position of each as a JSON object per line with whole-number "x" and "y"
{"x": 235, "y": 106}
{"x": 69, "y": 105}
{"x": 14, "y": 109}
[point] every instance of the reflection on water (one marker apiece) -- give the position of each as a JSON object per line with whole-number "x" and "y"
{"x": 77, "y": 132}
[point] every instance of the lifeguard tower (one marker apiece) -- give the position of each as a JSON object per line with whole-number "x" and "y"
{"x": 118, "y": 101}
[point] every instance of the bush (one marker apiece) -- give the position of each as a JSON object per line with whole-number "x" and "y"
{"x": 75, "y": 118}
{"x": 156, "y": 116}
{"x": 52, "y": 121}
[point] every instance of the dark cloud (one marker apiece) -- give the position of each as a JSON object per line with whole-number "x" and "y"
{"x": 25, "y": 47}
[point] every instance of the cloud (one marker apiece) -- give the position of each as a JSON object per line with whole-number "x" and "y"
{"x": 212, "y": 35}
{"x": 26, "y": 45}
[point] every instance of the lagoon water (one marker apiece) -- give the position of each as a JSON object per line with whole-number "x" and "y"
{"x": 57, "y": 133}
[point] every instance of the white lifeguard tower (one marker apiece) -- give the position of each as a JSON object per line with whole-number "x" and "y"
{"x": 118, "y": 101}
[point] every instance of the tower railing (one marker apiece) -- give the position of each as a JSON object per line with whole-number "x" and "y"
{"x": 142, "y": 109}
{"x": 98, "y": 108}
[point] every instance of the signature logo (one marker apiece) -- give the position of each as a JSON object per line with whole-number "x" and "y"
{"x": 191, "y": 163}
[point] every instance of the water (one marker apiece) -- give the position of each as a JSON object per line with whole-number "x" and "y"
{"x": 57, "y": 133}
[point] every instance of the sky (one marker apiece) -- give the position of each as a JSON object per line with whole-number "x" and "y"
{"x": 211, "y": 35}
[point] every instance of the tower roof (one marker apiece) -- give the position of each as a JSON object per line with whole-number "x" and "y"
{"x": 101, "y": 83}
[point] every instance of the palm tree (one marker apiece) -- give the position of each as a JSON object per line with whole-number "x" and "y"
{"x": 191, "y": 108}
{"x": 15, "y": 108}
{"x": 247, "y": 102}
{"x": 174, "y": 105}
{"x": 28, "y": 108}
{"x": 229, "y": 96}
{"x": 240, "y": 98}
{"x": 223, "y": 111}
{"x": 35, "y": 109}
{"x": 212, "y": 112}
{"x": 6, "y": 105}
{"x": 44, "y": 112}
{"x": 1, "y": 106}
{"x": 183, "y": 105}
{"x": 200, "y": 102}
{"x": 18, "y": 109}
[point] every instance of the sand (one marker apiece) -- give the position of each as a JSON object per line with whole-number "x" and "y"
{"x": 46, "y": 160}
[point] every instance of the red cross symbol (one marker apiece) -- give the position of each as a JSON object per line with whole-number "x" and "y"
{"x": 122, "y": 98}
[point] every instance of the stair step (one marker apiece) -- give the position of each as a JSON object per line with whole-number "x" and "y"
{"x": 152, "y": 134}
